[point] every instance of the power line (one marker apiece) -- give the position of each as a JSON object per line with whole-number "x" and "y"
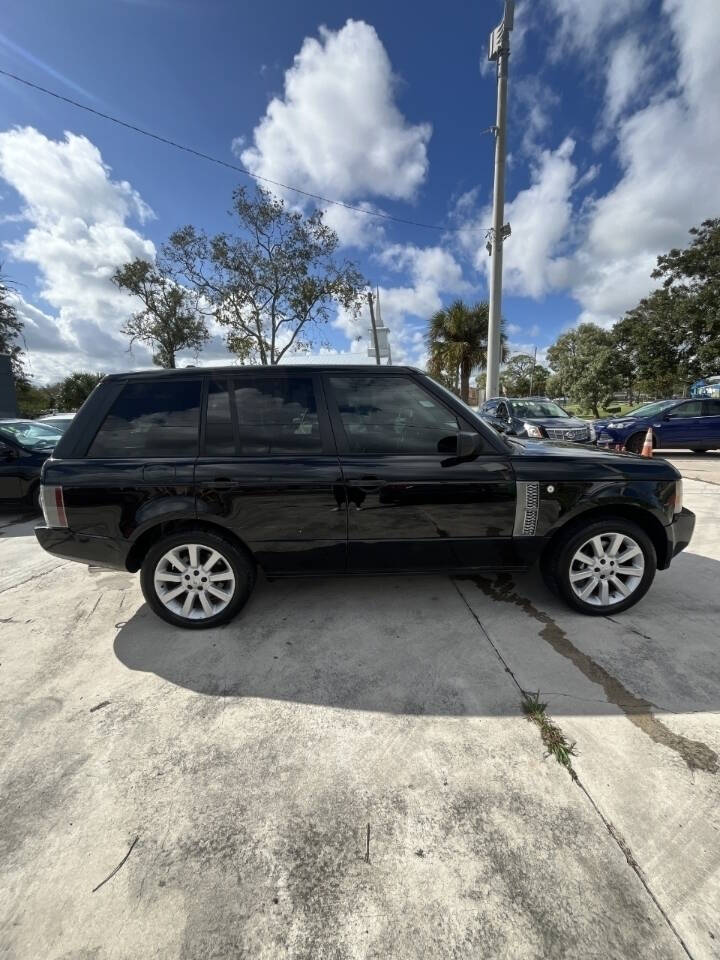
{"x": 223, "y": 163}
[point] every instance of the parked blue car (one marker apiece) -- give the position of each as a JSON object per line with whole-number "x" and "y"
{"x": 692, "y": 424}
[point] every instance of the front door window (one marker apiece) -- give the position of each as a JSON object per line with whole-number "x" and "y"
{"x": 393, "y": 415}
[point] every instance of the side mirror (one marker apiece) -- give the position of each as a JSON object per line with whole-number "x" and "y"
{"x": 468, "y": 445}
{"x": 7, "y": 452}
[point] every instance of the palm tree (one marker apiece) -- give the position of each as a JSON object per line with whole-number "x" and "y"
{"x": 457, "y": 342}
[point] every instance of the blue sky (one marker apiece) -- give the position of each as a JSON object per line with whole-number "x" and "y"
{"x": 614, "y": 136}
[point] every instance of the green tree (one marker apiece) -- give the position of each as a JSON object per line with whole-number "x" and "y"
{"x": 272, "y": 283}
{"x": 32, "y": 401}
{"x": 522, "y": 377}
{"x": 72, "y": 392}
{"x": 457, "y": 343}
{"x": 11, "y": 327}
{"x": 169, "y": 320}
{"x": 653, "y": 346}
{"x": 584, "y": 358}
{"x": 692, "y": 277}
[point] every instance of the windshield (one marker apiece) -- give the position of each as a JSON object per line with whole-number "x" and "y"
{"x": 30, "y": 434}
{"x": 59, "y": 423}
{"x": 647, "y": 409}
{"x": 538, "y": 408}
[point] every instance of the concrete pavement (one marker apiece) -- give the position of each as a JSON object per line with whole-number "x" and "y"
{"x": 243, "y": 766}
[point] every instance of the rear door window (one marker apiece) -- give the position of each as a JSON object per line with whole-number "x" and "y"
{"x": 151, "y": 419}
{"x": 219, "y": 434}
{"x": 392, "y": 415}
{"x": 276, "y": 416}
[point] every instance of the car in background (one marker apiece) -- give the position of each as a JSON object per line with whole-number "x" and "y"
{"x": 25, "y": 445}
{"x": 687, "y": 424}
{"x": 537, "y": 418}
{"x": 61, "y": 421}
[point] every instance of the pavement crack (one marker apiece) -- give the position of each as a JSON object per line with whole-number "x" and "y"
{"x": 640, "y": 712}
{"x": 614, "y": 833}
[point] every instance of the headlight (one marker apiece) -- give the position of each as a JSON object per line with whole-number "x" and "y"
{"x": 618, "y": 424}
{"x": 593, "y": 433}
{"x": 532, "y": 431}
{"x": 677, "y": 506}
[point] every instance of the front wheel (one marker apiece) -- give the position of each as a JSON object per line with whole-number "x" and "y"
{"x": 196, "y": 579}
{"x": 604, "y": 567}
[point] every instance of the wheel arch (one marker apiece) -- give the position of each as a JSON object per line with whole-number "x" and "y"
{"x": 639, "y": 515}
{"x": 138, "y": 551}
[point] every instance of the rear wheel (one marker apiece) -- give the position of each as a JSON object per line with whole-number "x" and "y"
{"x": 196, "y": 579}
{"x": 604, "y": 567}
{"x": 35, "y": 499}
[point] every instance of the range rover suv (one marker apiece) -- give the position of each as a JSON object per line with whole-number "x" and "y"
{"x": 197, "y": 478}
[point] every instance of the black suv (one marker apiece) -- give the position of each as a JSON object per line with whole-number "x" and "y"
{"x": 198, "y": 477}
{"x": 536, "y": 417}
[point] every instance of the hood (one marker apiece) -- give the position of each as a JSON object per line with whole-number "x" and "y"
{"x": 556, "y": 423}
{"x": 584, "y": 462}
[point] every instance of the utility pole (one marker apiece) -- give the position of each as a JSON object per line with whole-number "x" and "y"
{"x": 499, "y": 51}
{"x": 374, "y": 328}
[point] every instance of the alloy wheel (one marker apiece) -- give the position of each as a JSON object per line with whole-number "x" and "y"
{"x": 607, "y": 569}
{"x": 194, "y": 581}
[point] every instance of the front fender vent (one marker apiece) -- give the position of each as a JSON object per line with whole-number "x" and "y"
{"x": 526, "y": 508}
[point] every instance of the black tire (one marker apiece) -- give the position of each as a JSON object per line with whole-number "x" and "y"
{"x": 35, "y": 499}
{"x": 634, "y": 444}
{"x": 238, "y": 560}
{"x": 559, "y": 563}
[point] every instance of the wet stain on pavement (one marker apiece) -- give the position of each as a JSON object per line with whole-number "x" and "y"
{"x": 696, "y": 754}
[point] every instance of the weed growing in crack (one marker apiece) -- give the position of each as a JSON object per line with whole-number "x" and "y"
{"x": 552, "y": 736}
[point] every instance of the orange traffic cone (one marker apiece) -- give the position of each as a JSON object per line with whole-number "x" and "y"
{"x": 647, "y": 446}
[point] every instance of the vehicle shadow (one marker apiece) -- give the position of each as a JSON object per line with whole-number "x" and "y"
{"x": 414, "y": 645}
{"x": 18, "y": 521}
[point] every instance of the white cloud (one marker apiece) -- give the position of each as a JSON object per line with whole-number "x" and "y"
{"x": 77, "y": 235}
{"x": 540, "y": 218}
{"x": 405, "y": 308}
{"x": 354, "y": 229}
{"x": 337, "y": 131}
{"x": 668, "y": 151}
{"x": 534, "y": 102}
{"x": 628, "y": 69}
{"x": 585, "y": 23}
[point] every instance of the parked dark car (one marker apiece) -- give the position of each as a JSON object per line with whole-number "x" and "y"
{"x": 676, "y": 424}
{"x": 198, "y": 478}
{"x": 537, "y": 418}
{"x": 24, "y": 446}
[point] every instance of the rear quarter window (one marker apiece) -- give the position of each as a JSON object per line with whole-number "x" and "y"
{"x": 151, "y": 419}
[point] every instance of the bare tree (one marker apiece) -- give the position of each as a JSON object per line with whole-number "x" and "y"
{"x": 272, "y": 283}
{"x": 170, "y": 320}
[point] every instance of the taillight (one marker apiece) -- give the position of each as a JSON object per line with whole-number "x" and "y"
{"x": 678, "y": 498}
{"x": 53, "y": 506}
